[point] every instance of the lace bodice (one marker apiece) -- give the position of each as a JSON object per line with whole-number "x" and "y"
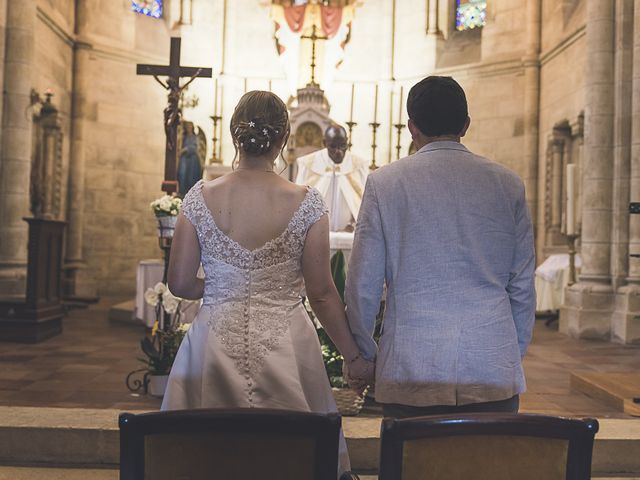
{"x": 250, "y": 293}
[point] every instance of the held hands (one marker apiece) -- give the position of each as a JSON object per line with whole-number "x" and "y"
{"x": 359, "y": 373}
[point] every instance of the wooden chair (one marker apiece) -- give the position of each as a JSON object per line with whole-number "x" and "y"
{"x": 229, "y": 445}
{"x": 486, "y": 446}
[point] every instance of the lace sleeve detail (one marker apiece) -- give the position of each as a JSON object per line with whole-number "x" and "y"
{"x": 191, "y": 205}
{"x": 313, "y": 209}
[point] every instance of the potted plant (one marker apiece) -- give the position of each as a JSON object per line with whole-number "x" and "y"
{"x": 166, "y": 335}
{"x": 166, "y": 209}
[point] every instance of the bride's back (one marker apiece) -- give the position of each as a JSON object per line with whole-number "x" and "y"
{"x": 252, "y": 207}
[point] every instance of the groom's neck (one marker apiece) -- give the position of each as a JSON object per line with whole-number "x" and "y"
{"x": 421, "y": 142}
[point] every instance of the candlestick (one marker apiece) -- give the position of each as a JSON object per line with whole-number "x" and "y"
{"x": 571, "y": 239}
{"x": 221, "y": 116}
{"x": 400, "y": 106}
{"x": 350, "y": 126}
{"x": 353, "y": 91}
{"x": 374, "y": 126}
{"x": 571, "y": 200}
{"x": 214, "y": 156}
{"x": 399, "y": 127}
{"x": 375, "y": 108}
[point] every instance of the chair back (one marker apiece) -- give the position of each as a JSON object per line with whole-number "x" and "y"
{"x": 210, "y": 444}
{"x": 487, "y": 446}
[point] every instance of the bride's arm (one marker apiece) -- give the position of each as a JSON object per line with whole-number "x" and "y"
{"x": 321, "y": 291}
{"x": 184, "y": 262}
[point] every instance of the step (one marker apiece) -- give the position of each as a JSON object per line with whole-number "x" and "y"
{"x": 124, "y": 313}
{"x": 38, "y": 473}
{"x": 621, "y": 390}
{"x": 89, "y": 438}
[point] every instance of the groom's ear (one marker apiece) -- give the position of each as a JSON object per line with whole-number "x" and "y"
{"x": 415, "y": 131}
{"x": 466, "y": 127}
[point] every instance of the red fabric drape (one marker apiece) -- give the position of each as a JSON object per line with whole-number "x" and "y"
{"x": 331, "y": 20}
{"x": 294, "y": 15}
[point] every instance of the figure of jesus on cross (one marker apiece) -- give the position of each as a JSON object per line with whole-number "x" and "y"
{"x": 172, "y": 113}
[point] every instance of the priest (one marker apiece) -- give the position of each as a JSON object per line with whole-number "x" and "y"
{"x": 339, "y": 176}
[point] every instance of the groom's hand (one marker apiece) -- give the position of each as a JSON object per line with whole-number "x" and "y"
{"x": 359, "y": 373}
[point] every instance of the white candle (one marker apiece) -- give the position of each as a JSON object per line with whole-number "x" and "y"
{"x": 375, "y": 108}
{"x": 571, "y": 200}
{"x": 401, "y": 106}
{"x": 353, "y": 91}
{"x": 215, "y": 98}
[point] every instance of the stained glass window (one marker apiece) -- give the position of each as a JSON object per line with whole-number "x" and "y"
{"x": 152, "y": 8}
{"x": 471, "y": 14}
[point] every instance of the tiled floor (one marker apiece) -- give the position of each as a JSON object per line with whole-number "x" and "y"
{"x": 87, "y": 365}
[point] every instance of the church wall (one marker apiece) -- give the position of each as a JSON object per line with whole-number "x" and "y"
{"x": 123, "y": 145}
{"x": 54, "y": 67}
{"x": 562, "y": 87}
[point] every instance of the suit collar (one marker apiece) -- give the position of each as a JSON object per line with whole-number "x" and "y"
{"x": 443, "y": 145}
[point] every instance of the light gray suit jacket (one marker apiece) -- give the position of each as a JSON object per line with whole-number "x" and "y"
{"x": 450, "y": 235}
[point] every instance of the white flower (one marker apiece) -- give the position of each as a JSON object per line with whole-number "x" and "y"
{"x": 184, "y": 327}
{"x": 160, "y": 288}
{"x": 151, "y": 297}
{"x": 170, "y": 303}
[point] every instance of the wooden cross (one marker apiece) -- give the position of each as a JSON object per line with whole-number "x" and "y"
{"x": 172, "y": 113}
{"x": 314, "y": 38}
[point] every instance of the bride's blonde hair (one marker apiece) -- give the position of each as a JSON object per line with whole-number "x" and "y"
{"x": 259, "y": 122}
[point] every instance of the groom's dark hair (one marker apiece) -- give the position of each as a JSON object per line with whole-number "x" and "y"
{"x": 438, "y": 106}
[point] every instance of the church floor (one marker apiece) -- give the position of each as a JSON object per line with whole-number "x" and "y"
{"x": 87, "y": 365}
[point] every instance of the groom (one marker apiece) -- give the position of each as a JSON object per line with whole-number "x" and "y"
{"x": 450, "y": 235}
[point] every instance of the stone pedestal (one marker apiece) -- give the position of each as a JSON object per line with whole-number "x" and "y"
{"x": 625, "y": 321}
{"x": 587, "y": 311}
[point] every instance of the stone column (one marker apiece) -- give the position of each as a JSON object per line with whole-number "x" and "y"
{"x": 531, "y": 63}
{"x": 432, "y": 17}
{"x": 15, "y": 165}
{"x": 589, "y": 302}
{"x": 625, "y": 327}
{"x": 79, "y": 284}
{"x": 3, "y": 37}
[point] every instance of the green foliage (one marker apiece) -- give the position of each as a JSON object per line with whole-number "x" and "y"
{"x": 332, "y": 359}
{"x": 161, "y": 348}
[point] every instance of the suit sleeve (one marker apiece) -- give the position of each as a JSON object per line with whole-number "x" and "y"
{"x": 365, "y": 278}
{"x": 520, "y": 288}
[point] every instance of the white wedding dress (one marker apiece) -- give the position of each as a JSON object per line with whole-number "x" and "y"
{"x": 252, "y": 343}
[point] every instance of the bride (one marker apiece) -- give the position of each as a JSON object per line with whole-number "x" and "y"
{"x": 263, "y": 242}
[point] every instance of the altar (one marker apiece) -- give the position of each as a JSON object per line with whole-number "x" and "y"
{"x": 341, "y": 241}
{"x": 551, "y": 280}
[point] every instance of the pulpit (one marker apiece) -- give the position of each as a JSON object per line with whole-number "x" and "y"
{"x": 38, "y": 314}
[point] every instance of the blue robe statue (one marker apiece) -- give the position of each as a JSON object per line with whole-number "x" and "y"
{"x": 189, "y": 168}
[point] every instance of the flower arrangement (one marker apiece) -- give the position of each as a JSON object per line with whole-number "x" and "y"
{"x": 160, "y": 350}
{"x": 166, "y": 206}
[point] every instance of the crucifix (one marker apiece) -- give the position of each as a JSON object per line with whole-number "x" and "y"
{"x": 172, "y": 113}
{"x": 314, "y": 38}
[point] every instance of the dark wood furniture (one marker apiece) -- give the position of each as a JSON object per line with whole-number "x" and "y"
{"x": 239, "y": 444}
{"x": 487, "y": 446}
{"x": 37, "y": 315}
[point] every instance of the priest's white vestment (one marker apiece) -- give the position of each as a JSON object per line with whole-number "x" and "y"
{"x": 341, "y": 184}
